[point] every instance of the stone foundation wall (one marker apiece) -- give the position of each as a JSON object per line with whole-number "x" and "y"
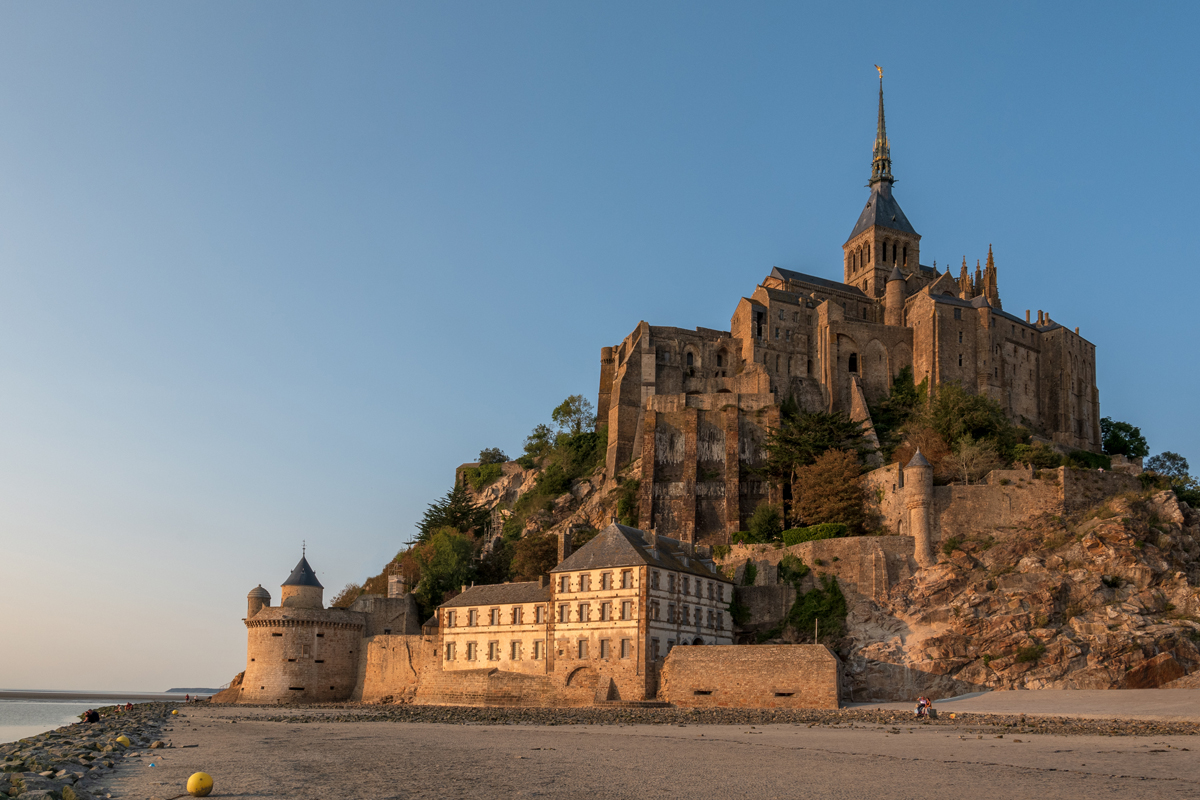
{"x": 762, "y": 676}
{"x": 869, "y": 565}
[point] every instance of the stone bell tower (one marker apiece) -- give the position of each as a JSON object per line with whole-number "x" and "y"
{"x": 882, "y": 238}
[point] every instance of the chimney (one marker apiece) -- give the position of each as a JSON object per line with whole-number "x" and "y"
{"x": 1039, "y": 316}
{"x": 544, "y": 581}
{"x": 564, "y": 546}
{"x": 1076, "y": 330}
{"x": 1027, "y": 315}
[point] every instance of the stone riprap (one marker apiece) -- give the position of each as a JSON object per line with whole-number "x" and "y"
{"x": 61, "y": 764}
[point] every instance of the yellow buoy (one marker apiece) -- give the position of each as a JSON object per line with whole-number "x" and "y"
{"x": 200, "y": 784}
{"x": 174, "y": 710}
{"x": 123, "y": 739}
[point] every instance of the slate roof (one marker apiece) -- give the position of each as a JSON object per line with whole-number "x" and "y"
{"x": 896, "y": 275}
{"x": 303, "y": 575}
{"x": 620, "y": 546}
{"x": 884, "y": 211}
{"x": 499, "y": 594}
{"x": 918, "y": 460}
{"x": 790, "y": 275}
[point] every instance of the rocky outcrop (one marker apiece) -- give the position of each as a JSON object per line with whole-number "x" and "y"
{"x": 1106, "y": 601}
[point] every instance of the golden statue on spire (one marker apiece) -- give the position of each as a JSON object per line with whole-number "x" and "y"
{"x": 880, "y": 70}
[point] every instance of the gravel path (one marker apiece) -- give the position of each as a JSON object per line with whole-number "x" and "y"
{"x": 432, "y": 752}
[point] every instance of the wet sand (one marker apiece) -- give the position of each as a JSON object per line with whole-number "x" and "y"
{"x": 252, "y": 757}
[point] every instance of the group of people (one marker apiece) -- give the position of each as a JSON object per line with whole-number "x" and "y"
{"x": 923, "y": 706}
{"x": 92, "y": 715}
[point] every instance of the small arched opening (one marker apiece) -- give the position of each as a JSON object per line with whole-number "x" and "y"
{"x": 853, "y": 362}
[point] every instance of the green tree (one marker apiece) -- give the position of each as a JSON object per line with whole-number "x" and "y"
{"x": 456, "y": 511}
{"x": 534, "y": 556}
{"x": 492, "y": 455}
{"x": 447, "y": 563}
{"x": 1169, "y": 465}
{"x": 890, "y": 416}
{"x": 1122, "y": 439}
{"x": 540, "y": 441}
{"x": 828, "y": 491}
{"x": 766, "y": 523}
{"x": 955, "y": 413}
{"x": 800, "y": 441}
{"x": 574, "y": 415}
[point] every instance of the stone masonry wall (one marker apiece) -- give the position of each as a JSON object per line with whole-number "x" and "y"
{"x": 392, "y": 666}
{"x": 762, "y": 676}
{"x": 869, "y": 565}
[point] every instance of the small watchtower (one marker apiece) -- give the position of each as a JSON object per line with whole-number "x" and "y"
{"x": 302, "y": 589}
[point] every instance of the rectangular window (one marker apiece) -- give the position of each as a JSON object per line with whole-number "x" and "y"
{"x": 514, "y": 651}
{"x": 493, "y": 651}
{"x": 563, "y": 613}
{"x": 670, "y": 612}
{"x": 711, "y": 621}
{"x": 605, "y": 581}
{"x": 626, "y": 579}
{"x": 958, "y": 313}
{"x": 471, "y": 651}
{"x": 711, "y": 590}
{"x": 564, "y": 583}
{"x": 517, "y": 615}
{"x": 684, "y": 615}
{"x": 450, "y": 651}
{"x": 626, "y": 648}
{"x": 582, "y": 650}
{"x": 539, "y": 614}
{"x": 654, "y": 579}
{"x": 776, "y": 332}
{"x": 627, "y": 609}
{"x": 472, "y": 618}
{"x": 585, "y": 612}
{"x": 605, "y": 649}
{"x": 605, "y": 611}
{"x": 449, "y": 619}
{"x": 494, "y": 617}
{"x": 670, "y": 646}
{"x": 687, "y": 585}
{"x": 654, "y": 648}
{"x": 671, "y": 582}
{"x": 585, "y": 583}
{"x": 538, "y": 648}
{"x": 720, "y": 620}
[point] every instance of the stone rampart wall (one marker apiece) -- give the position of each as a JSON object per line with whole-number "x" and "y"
{"x": 762, "y": 676}
{"x": 392, "y": 666}
{"x": 869, "y": 565}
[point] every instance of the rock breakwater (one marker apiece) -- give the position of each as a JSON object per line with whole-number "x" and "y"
{"x": 62, "y": 763}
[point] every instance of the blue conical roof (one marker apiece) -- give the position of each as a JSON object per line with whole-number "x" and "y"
{"x": 303, "y": 575}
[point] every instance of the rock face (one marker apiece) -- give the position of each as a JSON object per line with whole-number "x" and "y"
{"x": 1108, "y": 600}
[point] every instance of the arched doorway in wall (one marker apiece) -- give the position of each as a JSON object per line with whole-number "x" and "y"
{"x": 697, "y": 640}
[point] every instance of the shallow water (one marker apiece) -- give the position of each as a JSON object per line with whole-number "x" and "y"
{"x": 21, "y": 718}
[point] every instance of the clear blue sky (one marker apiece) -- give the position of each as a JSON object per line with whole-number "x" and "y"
{"x": 270, "y": 271}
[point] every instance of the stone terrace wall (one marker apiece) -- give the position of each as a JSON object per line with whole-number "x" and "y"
{"x": 1084, "y": 488}
{"x": 492, "y": 687}
{"x": 971, "y": 510}
{"x": 869, "y": 565}
{"x": 761, "y": 676}
{"x": 392, "y": 666}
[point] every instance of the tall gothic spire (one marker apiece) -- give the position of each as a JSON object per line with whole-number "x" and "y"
{"x": 881, "y": 159}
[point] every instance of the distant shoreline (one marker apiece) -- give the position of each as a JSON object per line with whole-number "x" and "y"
{"x": 124, "y": 697}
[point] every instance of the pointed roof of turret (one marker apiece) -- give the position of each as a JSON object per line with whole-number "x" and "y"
{"x": 918, "y": 460}
{"x": 896, "y": 275}
{"x": 303, "y": 575}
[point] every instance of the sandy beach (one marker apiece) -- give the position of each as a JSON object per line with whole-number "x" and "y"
{"x": 305, "y": 753}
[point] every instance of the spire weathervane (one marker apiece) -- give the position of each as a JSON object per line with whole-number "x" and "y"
{"x": 881, "y": 158}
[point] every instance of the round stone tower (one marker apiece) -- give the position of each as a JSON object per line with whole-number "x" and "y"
{"x": 918, "y": 500}
{"x": 257, "y": 598}
{"x": 893, "y": 301}
{"x": 298, "y": 651}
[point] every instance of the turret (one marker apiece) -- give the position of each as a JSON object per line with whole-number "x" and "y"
{"x": 302, "y": 589}
{"x": 918, "y": 500}
{"x": 257, "y": 598}
{"x": 893, "y": 301}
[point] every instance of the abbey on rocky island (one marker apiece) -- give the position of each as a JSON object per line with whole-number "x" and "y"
{"x": 695, "y": 405}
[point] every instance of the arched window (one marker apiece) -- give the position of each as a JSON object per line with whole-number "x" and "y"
{"x": 777, "y": 363}
{"x": 720, "y": 359}
{"x": 906, "y": 256}
{"x": 808, "y": 370}
{"x": 867, "y": 251}
{"x": 690, "y": 360}
{"x": 884, "y": 259}
{"x": 853, "y": 362}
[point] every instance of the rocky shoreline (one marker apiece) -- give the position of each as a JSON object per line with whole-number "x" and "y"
{"x": 963, "y": 722}
{"x": 61, "y": 764}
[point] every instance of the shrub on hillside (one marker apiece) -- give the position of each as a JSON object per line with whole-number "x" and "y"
{"x": 1037, "y": 456}
{"x": 766, "y": 523}
{"x": 813, "y": 533}
{"x": 1082, "y": 459}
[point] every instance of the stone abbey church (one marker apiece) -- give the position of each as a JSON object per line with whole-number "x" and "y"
{"x": 695, "y": 405}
